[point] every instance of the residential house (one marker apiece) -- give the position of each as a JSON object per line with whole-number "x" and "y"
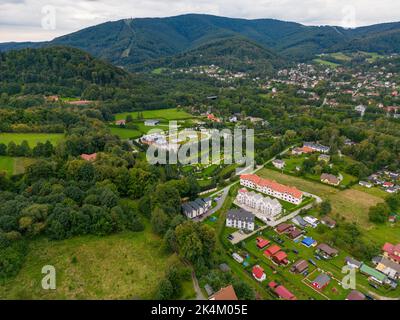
{"x": 295, "y": 233}
{"x": 365, "y": 184}
{"x": 272, "y": 250}
{"x": 329, "y": 222}
{"x": 300, "y": 266}
{"x": 311, "y": 221}
{"x": 321, "y": 281}
{"x": 196, "y": 208}
{"x": 120, "y": 122}
{"x": 355, "y": 295}
{"x": 227, "y": 293}
{"x": 316, "y": 147}
{"x": 330, "y": 179}
{"x": 299, "y": 221}
{"x": 324, "y": 157}
{"x": 374, "y": 275}
{"x": 391, "y": 252}
{"x": 280, "y": 258}
{"x": 279, "y": 164}
{"x": 281, "y": 291}
{"x": 89, "y": 157}
{"x": 272, "y": 188}
{"x": 389, "y": 268}
{"x": 353, "y": 263}
{"x": 326, "y": 251}
{"x": 302, "y": 150}
{"x": 240, "y": 219}
{"x": 268, "y": 207}
{"x": 262, "y": 243}
{"x": 309, "y": 242}
{"x": 283, "y": 227}
{"x": 258, "y": 273}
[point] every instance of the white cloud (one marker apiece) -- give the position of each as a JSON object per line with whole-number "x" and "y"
{"x": 22, "y": 19}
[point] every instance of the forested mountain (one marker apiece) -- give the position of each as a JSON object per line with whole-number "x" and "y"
{"x": 235, "y": 54}
{"x": 55, "y": 70}
{"x": 135, "y": 41}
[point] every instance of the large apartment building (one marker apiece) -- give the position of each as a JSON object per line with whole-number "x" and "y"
{"x": 272, "y": 188}
{"x": 266, "y": 206}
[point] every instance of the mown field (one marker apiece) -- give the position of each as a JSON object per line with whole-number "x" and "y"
{"x": 14, "y": 165}
{"x": 352, "y": 205}
{"x": 32, "y": 138}
{"x": 123, "y": 266}
{"x": 167, "y": 114}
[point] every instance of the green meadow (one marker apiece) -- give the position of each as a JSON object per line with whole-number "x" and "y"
{"x": 127, "y": 265}
{"x": 14, "y": 165}
{"x": 161, "y": 114}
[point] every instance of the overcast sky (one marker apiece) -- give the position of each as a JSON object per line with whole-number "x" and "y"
{"x": 37, "y": 20}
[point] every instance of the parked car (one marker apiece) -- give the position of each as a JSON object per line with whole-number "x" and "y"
{"x": 230, "y": 237}
{"x": 373, "y": 285}
{"x": 312, "y": 262}
{"x": 295, "y": 251}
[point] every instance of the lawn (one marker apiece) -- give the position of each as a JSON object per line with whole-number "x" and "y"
{"x": 7, "y": 164}
{"x": 32, "y": 138}
{"x": 126, "y": 133}
{"x": 123, "y": 266}
{"x": 166, "y": 114}
{"x": 14, "y": 165}
{"x": 326, "y": 63}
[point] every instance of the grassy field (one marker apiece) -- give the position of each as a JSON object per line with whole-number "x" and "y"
{"x": 32, "y": 138}
{"x": 326, "y": 63}
{"x": 7, "y": 164}
{"x": 123, "y": 266}
{"x": 166, "y": 114}
{"x": 14, "y": 165}
{"x": 126, "y": 133}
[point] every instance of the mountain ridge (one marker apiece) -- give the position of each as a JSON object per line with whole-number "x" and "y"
{"x": 132, "y": 42}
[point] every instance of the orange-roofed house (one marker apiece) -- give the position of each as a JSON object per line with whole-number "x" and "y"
{"x": 302, "y": 150}
{"x": 89, "y": 157}
{"x": 272, "y": 188}
{"x": 272, "y": 250}
{"x": 262, "y": 243}
{"x": 227, "y": 293}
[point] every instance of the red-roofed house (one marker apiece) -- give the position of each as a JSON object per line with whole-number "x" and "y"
{"x": 282, "y": 292}
{"x": 258, "y": 273}
{"x": 89, "y": 157}
{"x": 227, "y": 293}
{"x": 272, "y": 188}
{"x": 120, "y": 122}
{"x": 391, "y": 252}
{"x": 262, "y": 243}
{"x": 272, "y": 250}
{"x": 280, "y": 258}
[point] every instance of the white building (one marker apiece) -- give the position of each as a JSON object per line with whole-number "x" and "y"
{"x": 272, "y": 188}
{"x": 279, "y": 164}
{"x": 265, "y": 205}
{"x": 240, "y": 219}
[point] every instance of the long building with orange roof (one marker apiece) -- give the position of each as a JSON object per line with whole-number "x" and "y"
{"x": 272, "y": 188}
